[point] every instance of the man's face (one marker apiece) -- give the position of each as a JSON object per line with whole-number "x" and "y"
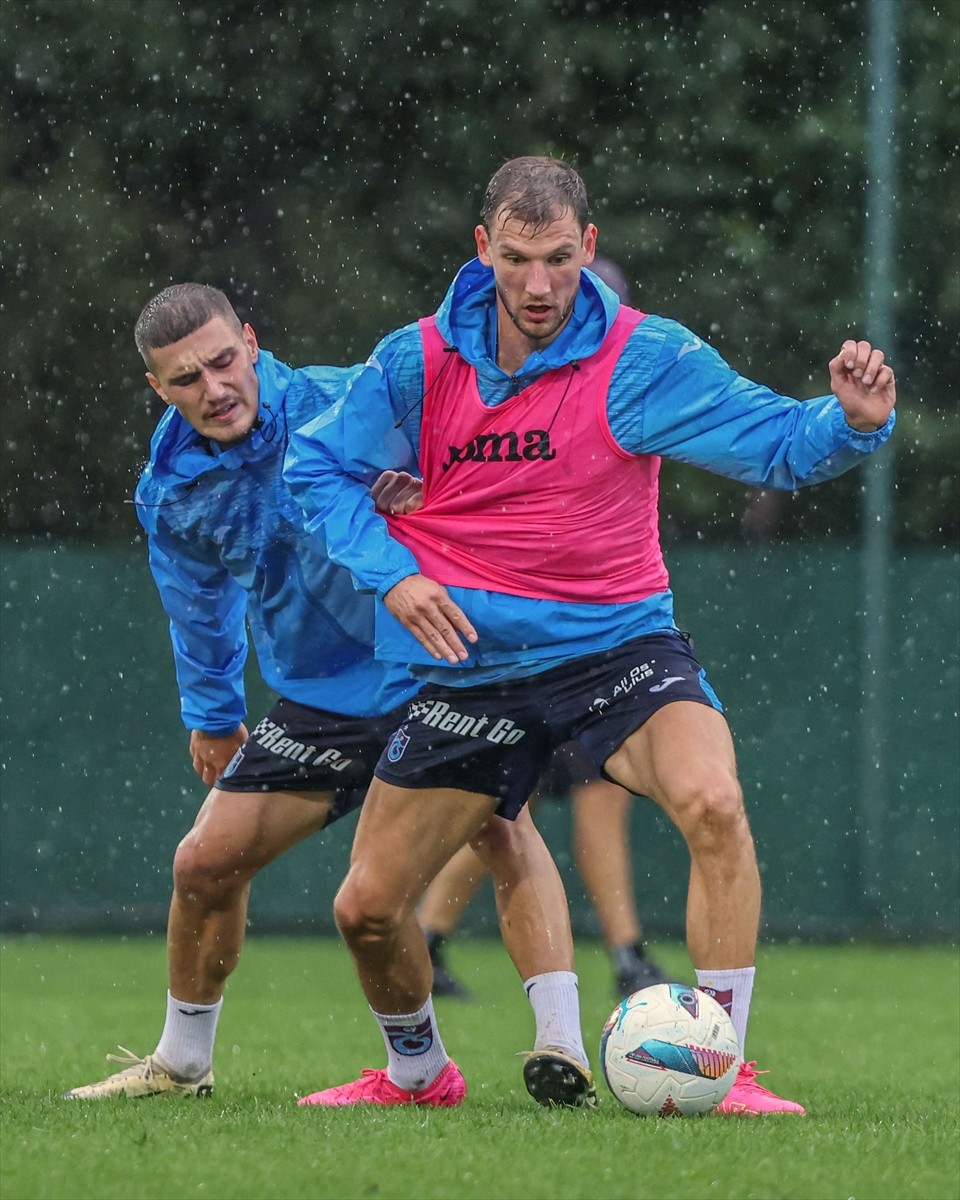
{"x": 537, "y": 274}
{"x": 209, "y": 378}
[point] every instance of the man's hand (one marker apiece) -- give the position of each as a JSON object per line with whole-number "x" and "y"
{"x": 864, "y": 385}
{"x": 398, "y": 492}
{"x": 211, "y": 753}
{"x": 425, "y": 608}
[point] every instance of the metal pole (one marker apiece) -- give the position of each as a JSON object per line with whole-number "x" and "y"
{"x": 881, "y": 82}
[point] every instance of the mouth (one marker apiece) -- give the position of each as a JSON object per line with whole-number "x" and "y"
{"x": 222, "y": 414}
{"x": 538, "y": 313}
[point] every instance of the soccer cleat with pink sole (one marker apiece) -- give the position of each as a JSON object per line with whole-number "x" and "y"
{"x": 747, "y": 1098}
{"x": 374, "y": 1087}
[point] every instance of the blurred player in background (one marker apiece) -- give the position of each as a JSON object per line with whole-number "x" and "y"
{"x": 529, "y": 591}
{"x": 601, "y": 841}
{"x": 227, "y": 549}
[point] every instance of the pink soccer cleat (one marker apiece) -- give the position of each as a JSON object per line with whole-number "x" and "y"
{"x": 373, "y": 1087}
{"x": 748, "y": 1099}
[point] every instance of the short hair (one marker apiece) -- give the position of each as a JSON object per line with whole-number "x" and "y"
{"x": 536, "y": 190}
{"x": 177, "y": 311}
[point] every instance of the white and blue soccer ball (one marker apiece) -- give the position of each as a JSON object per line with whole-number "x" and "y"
{"x": 669, "y": 1051}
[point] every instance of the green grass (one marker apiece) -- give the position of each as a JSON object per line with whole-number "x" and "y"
{"x": 866, "y": 1037}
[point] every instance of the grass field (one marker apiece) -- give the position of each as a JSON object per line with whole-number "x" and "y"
{"x": 866, "y": 1037}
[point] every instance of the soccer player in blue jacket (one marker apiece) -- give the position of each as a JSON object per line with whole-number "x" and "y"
{"x": 529, "y": 591}
{"x": 228, "y": 550}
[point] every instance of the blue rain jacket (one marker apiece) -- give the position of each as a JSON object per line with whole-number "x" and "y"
{"x": 228, "y": 550}
{"x": 671, "y": 394}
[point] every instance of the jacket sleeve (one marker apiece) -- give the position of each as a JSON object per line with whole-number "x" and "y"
{"x": 207, "y": 608}
{"x": 698, "y": 410}
{"x": 333, "y": 460}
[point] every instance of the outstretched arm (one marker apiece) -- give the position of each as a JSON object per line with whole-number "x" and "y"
{"x": 679, "y": 399}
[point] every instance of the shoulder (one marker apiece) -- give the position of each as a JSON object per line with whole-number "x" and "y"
{"x": 398, "y": 358}
{"x": 314, "y": 389}
{"x": 654, "y": 341}
{"x": 656, "y": 334}
{"x": 397, "y": 349}
{"x": 660, "y": 346}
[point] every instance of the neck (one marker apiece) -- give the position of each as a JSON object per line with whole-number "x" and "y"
{"x": 513, "y": 349}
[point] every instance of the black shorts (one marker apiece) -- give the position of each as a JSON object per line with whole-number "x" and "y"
{"x": 300, "y": 749}
{"x": 569, "y": 767}
{"x": 496, "y": 739}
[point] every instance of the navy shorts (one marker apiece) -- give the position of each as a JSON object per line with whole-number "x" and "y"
{"x": 496, "y": 739}
{"x": 569, "y": 767}
{"x": 300, "y": 749}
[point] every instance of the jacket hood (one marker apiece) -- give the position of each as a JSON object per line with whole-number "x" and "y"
{"x": 467, "y": 320}
{"x": 180, "y": 457}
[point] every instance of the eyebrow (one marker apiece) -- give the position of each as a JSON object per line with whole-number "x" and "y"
{"x": 186, "y": 377}
{"x": 567, "y": 247}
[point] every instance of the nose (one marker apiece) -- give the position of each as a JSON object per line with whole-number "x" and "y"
{"x": 538, "y": 279}
{"x": 214, "y": 385}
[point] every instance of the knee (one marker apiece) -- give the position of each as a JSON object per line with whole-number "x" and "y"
{"x": 204, "y": 871}
{"x": 360, "y": 918}
{"x": 711, "y": 815}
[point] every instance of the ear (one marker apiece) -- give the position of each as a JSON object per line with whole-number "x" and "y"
{"x": 482, "y": 239}
{"x": 155, "y": 384}
{"x": 589, "y": 244}
{"x": 250, "y": 341}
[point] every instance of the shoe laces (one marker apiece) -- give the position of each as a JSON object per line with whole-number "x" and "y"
{"x": 748, "y": 1074}
{"x": 373, "y": 1079}
{"x": 133, "y": 1061}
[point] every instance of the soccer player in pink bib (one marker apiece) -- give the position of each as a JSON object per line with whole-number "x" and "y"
{"x": 529, "y": 591}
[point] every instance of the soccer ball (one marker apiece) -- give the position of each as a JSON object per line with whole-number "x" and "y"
{"x": 669, "y": 1051}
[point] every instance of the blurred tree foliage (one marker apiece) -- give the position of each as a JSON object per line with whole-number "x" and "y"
{"x": 324, "y": 164}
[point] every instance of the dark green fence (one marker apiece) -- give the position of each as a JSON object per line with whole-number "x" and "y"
{"x": 97, "y": 788}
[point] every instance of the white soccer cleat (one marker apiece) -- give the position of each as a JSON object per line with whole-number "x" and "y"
{"x": 148, "y": 1076}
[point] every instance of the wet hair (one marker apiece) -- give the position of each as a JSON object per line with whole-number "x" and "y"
{"x": 535, "y": 190}
{"x": 178, "y": 311}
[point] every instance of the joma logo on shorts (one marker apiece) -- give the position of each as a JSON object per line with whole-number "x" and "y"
{"x": 626, "y": 685}
{"x": 503, "y": 447}
{"x": 439, "y": 715}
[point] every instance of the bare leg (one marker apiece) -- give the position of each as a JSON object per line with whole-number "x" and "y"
{"x": 404, "y": 838}
{"x": 531, "y": 903}
{"x": 235, "y": 835}
{"x": 601, "y": 842}
{"x": 683, "y": 758}
{"x": 400, "y": 846}
{"x": 449, "y": 894}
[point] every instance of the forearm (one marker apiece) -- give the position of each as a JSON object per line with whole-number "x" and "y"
{"x": 212, "y": 698}
{"x": 331, "y": 465}
{"x": 681, "y": 401}
{"x": 207, "y": 611}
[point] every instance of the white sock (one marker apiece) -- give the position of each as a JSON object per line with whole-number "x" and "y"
{"x": 732, "y": 990}
{"x": 555, "y": 1000}
{"x": 186, "y": 1044}
{"x": 415, "y": 1053}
